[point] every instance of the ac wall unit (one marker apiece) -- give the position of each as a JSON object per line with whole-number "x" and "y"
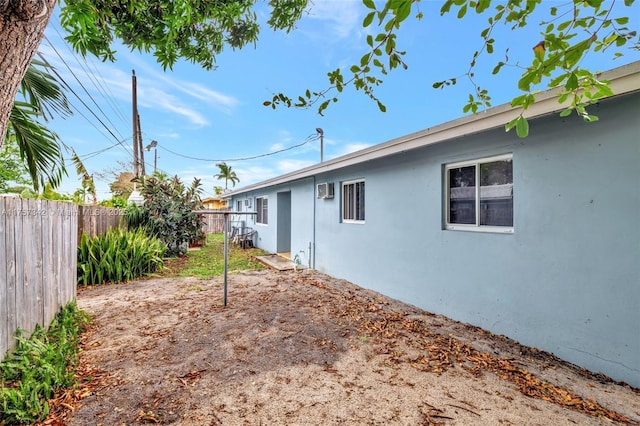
{"x": 247, "y": 202}
{"x": 325, "y": 190}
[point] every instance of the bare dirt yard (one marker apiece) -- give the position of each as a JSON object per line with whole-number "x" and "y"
{"x": 302, "y": 348}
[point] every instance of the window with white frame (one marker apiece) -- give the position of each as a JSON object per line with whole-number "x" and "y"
{"x": 239, "y": 205}
{"x": 479, "y": 194}
{"x": 353, "y": 201}
{"x": 262, "y": 210}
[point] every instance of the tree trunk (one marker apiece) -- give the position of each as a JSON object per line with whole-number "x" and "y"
{"x": 22, "y": 24}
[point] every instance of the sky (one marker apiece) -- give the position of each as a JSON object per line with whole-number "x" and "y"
{"x": 200, "y": 118}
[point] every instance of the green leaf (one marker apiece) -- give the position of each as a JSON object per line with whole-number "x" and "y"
{"x": 369, "y": 4}
{"x": 524, "y": 83}
{"x": 368, "y": 19}
{"x": 566, "y": 112}
{"x": 403, "y": 11}
{"x": 572, "y": 82}
{"x": 446, "y": 7}
{"x": 522, "y": 127}
{"x": 462, "y": 11}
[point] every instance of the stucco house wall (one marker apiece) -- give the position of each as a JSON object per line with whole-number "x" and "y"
{"x": 566, "y": 280}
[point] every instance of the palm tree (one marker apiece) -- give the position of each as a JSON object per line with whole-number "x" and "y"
{"x": 40, "y": 97}
{"x": 227, "y": 174}
{"x": 88, "y": 185}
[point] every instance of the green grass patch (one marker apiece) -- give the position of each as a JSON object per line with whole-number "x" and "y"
{"x": 40, "y": 366}
{"x": 208, "y": 261}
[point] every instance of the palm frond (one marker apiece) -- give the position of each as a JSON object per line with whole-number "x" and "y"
{"x": 39, "y": 147}
{"x": 40, "y": 89}
{"x": 87, "y": 180}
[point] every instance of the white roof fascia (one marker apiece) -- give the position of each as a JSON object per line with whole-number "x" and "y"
{"x": 625, "y": 79}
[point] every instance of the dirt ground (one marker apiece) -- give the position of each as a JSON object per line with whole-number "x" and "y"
{"x": 302, "y": 348}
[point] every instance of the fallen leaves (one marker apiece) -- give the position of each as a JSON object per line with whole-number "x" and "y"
{"x": 191, "y": 378}
{"x": 442, "y": 352}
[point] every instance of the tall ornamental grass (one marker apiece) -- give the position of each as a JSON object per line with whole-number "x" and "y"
{"x": 118, "y": 256}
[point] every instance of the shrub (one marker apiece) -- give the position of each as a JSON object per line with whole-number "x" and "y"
{"x": 40, "y": 366}
{"x": 169, "y": 212}
{"x": 135, "y": 217}
{"x": 117, "y": 256}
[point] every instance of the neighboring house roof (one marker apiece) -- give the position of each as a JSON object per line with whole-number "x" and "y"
{"x": 211, "y": 199}
{"x": 623, "y": 80}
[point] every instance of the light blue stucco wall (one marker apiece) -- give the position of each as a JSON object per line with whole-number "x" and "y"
{"x": 566, "y": 281}
{"x": 302, "y": 229}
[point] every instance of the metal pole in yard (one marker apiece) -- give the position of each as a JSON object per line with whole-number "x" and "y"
{"x": 226, "y": 240}
{"x": 226, "y": 255}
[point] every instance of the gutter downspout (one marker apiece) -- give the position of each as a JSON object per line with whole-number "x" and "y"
{"x": 313, "y": 244}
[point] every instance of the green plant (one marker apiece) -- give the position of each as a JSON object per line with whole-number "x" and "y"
{"x": 114, "y": 201}
{"x": 208, "y": 262}
{"x": 118, "y": 256}
{"x": 135, "y": 216}
{"x": 169, "y": 212}
{"x": 40, "y": 366}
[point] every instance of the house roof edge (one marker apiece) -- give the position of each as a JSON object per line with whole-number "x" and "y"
{"x": 624, "y": 79}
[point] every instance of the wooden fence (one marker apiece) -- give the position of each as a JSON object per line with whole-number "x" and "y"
{"x": 214, "y": 223}
{"x": 38, "y": 264}
{"x": 97, "y": 220}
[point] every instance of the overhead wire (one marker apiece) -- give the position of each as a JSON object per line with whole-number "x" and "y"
{"x": 65, "y": 84}
{"x": 308, "y": 139}
{"x": 85, "y": 90}
{"x": 94, "y": 80}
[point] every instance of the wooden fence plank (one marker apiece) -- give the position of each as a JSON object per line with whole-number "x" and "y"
{"x": 4, "y": 333}
{"x": 48, "y": 261}
{"x": 72, "y": 255}
{"x": 38, "y": 266}
{"x": 29, "y": 295}
{"x": 97, "y": 220}
{"x": 19, "y": 266}
{"x": 213, "y": 223}
{"x": 10, "y": 323}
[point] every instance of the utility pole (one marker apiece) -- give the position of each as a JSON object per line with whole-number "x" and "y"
{"x": 134, "y": 122}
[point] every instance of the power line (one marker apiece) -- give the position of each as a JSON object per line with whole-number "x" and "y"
{"x": 62, "y": 80}
{"x": 309, "y": 138}
{"x": 94, "y": 80}
{"x": 85, "y": 90}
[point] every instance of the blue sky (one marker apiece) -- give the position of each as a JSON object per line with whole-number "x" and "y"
{"x": 218, "y": 115}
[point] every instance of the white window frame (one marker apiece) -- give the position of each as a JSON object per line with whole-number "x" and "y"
{"x": 260, "y": 216}
{"x": 473, "y": 227}
{"x": 342, "y": 202}
{"x": 239, "y": 205}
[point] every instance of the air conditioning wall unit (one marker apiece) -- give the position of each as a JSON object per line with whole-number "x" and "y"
{"x": 247, "y": 202}
{"x": 325, "y": 190}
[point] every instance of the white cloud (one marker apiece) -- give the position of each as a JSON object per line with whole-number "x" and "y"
{"x": 276, "y": 147}
{"x": 349, "y": 148}
{"x": 253, "y": 174}
{"x": 286, "y": 166}
{"x": 220, "y": 101}
{"x": 342, "y": 17}
{"x": 152, "y": 97}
